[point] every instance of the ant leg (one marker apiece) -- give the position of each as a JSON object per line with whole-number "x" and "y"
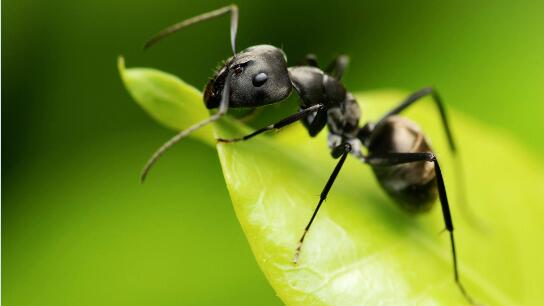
{"x": 459, "y": 173}
{"x": 315, "y": 124}
{"x": 342, "y": 152}
{"x": 403, "y": 158}
{"x": 416, "y": 96}
{"x": 337, "y": 67}
{"x": 223, "y": 108}
{"x": 278, "y": 125}
{"x": 232, "y": 9}
{"x": 311, "y": 60}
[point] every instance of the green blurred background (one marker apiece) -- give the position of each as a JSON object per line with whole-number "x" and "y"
{"x": 78, "y": 228}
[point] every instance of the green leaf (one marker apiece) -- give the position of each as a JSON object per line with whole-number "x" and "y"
{"x": 362, "y": 249}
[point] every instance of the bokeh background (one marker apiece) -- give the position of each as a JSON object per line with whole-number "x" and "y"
{"x": 78, "y": 228}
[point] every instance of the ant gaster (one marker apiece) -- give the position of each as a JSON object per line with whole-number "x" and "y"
{"x": 397, "y": 150}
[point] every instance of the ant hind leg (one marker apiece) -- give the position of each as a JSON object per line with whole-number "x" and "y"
{"x": 392, "y": 159}
{"x": 417, "y": 96}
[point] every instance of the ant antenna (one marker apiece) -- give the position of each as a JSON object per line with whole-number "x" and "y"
{"x": 223, "y": 107}
{"x": 232, "y": 9}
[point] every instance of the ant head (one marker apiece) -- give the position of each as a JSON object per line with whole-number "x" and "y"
{"x": 258, "y": 77}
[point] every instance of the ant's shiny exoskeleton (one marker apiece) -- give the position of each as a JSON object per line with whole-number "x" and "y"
{"x": 397, "y": 150}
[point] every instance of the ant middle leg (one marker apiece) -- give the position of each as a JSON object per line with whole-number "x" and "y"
{"x": 278, "y": 125}
{"x": 392, "y": 159}
{"x": 341, "y": 151}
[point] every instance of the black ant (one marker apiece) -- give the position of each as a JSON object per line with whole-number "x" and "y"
{"x": 397, "y": 150}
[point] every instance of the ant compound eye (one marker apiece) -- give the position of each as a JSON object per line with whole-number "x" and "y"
{"x": 238, "y": 69}
{"x": 259, "y": 79}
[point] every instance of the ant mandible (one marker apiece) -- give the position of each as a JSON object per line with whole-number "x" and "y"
{"x": 397, "y": 150}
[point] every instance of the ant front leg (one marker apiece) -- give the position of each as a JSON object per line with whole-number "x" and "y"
{"x": 392, "y": 159}
{"x": 337, "y": 67}
{"x": 278, "y": 125}
{"x": 315, "y": 122}
{"x": 311, "y": 60}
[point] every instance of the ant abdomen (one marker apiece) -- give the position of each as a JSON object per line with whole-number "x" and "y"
{"x": 411, "y": 185}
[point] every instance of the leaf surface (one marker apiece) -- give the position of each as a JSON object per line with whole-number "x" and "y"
{"x": 362, "y": 249}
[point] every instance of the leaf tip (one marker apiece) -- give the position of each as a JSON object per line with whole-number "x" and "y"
{"x": 121, "y": 65}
